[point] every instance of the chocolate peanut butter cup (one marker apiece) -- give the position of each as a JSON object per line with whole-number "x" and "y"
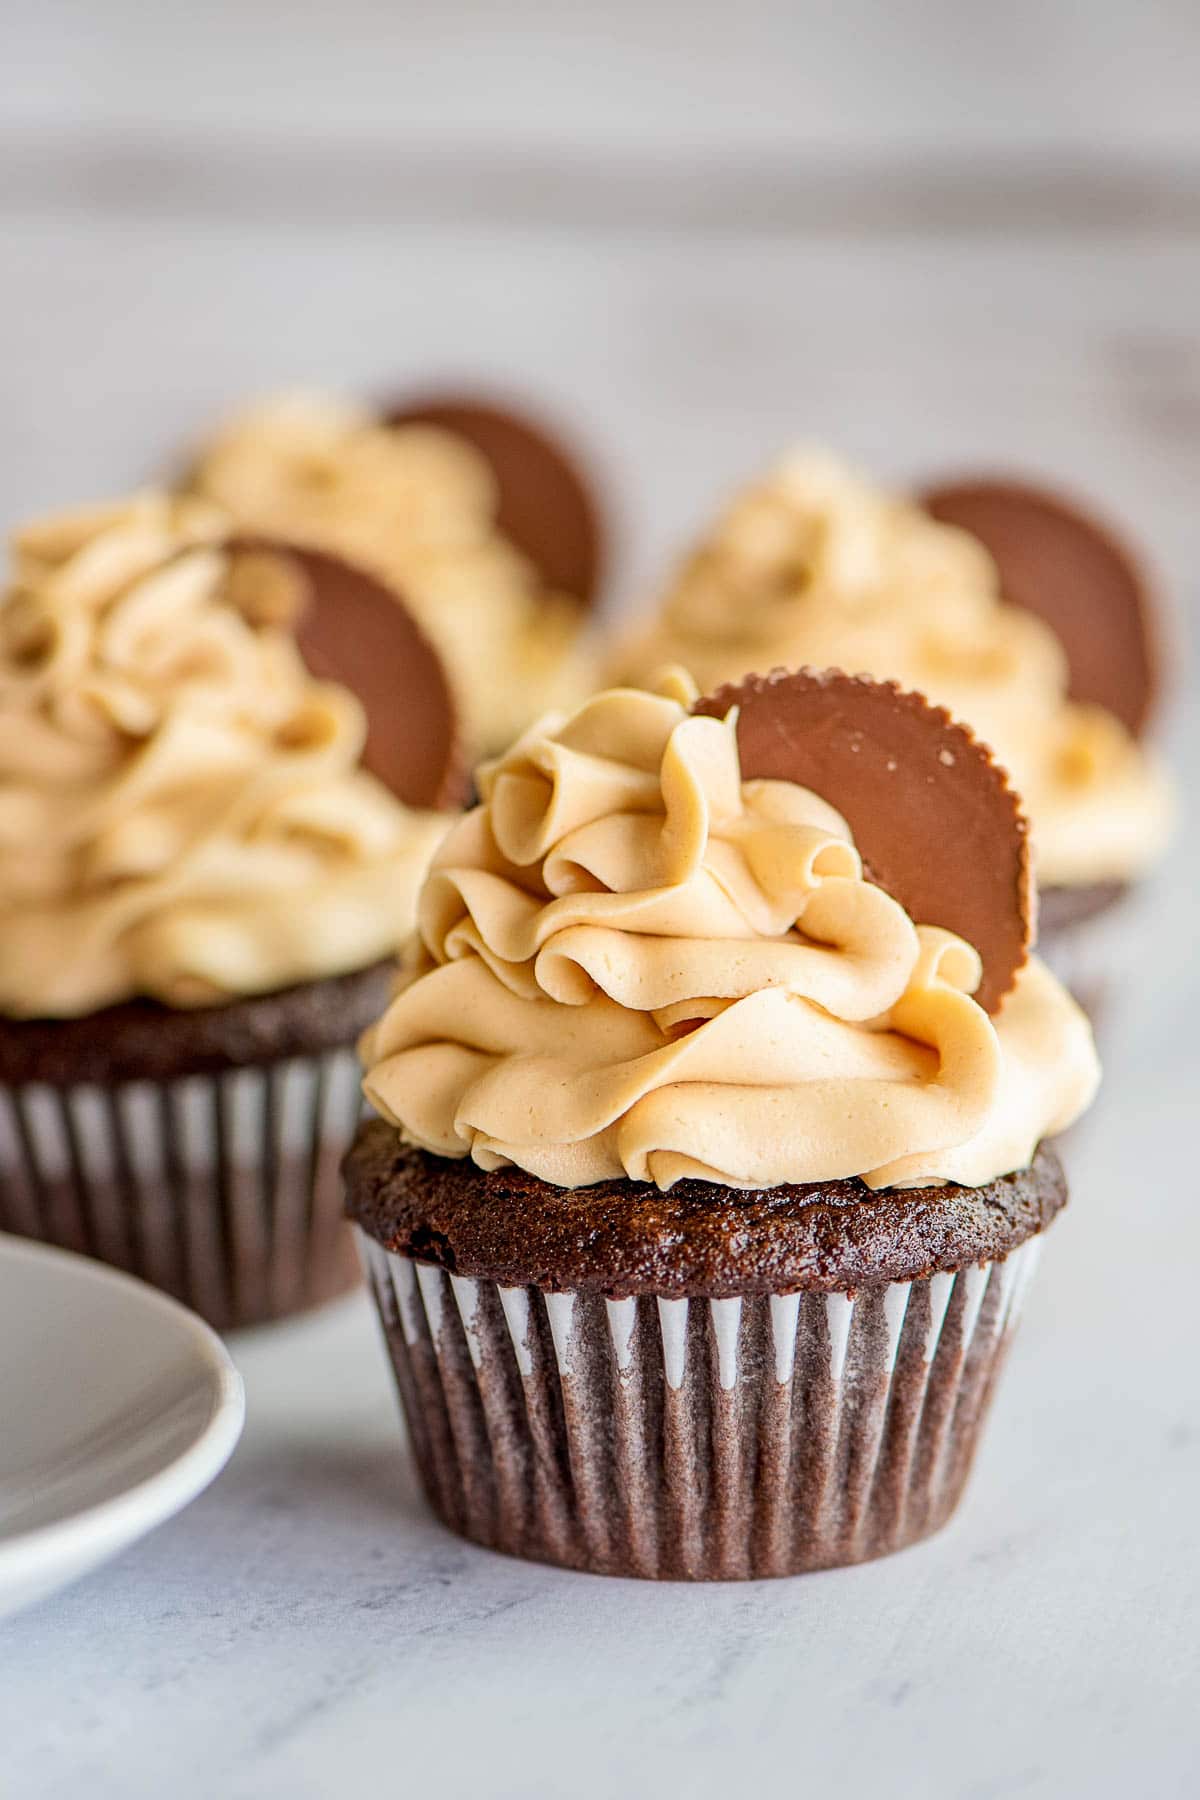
{"x": 623, "y": 1341}
{"x": 913, "y": 783}
{"x": 353, "y": 629}
{"x": 480, "y": 514}
{"x": 1056, "y": 559}
{"x": 546, "y": 504}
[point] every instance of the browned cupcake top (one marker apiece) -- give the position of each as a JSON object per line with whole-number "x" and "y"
{"x": 143, "y": 1040}
{"x": 625, "y": 1237}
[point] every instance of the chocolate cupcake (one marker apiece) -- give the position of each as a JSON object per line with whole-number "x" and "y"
{"x": 476, "y": 514}
{"x": 998, "y": 601}
{"x": 201, "y": 890}
{"x": 707, "y": 1185}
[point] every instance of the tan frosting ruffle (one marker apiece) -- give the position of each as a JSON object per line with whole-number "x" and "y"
{"x": 181, "y": 810}
{"x": 632, "y": 962}
{"x": 417, "y": 506}
{"x": 814, "y": 566}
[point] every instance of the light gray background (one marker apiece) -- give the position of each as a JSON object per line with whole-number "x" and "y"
{"x": 925, "y": 234}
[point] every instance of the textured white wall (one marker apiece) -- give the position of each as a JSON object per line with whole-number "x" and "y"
{"x": 1089, "y": 76}
{"x": 919, "y": 231}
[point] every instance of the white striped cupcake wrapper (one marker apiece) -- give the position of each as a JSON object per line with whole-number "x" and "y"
{"x": 223, "y": 1190}
{"x": 695, "y": 1439}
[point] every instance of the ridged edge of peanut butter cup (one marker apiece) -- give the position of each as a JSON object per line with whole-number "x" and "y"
{"x": 355, "y": 630}
{"x": 1056, "y": 559}
{"x": 933, "y": 814}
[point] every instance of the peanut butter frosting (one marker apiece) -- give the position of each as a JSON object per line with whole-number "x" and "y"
{"x": 815, "y": 566}
{"x": 416, "y": 505}
{"x": 182, "y": 814}
{"x": 630, "y": 961}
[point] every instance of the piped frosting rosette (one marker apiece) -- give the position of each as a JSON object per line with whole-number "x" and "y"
{"x": 182, "y": 810}
{"x": 814, "y": 565}
{"x": 415, "y": 498}
{"x": 632, "y": 960}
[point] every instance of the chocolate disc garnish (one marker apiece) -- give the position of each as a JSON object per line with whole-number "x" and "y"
{"x": 351, "y": 629}
{"x": 933, "y": 817}
{"x": 1074, "y": 573}
{"x": 546, "y": 507}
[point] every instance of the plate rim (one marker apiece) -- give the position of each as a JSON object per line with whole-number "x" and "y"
{"x": 155, "y": 1498}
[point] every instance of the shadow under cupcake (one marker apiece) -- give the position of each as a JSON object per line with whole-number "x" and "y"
{"x": 707, "y": 1186}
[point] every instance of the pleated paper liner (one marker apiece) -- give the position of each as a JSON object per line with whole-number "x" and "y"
{"x": 223, "y": 1190}
{"x": 696, "y": 1439}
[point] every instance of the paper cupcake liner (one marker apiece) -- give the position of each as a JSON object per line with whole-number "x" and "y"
{"x": 223, "y": 1190}
{"x": 695, "y": 1439}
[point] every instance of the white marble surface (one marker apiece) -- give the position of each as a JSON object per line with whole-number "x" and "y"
{"x": 305, "y": 1629}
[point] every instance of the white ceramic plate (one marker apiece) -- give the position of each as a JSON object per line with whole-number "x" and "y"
{"x": 117, "y": 1407}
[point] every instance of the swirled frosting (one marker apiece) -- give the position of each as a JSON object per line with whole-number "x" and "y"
{"x": 182, "y": 814}
{"x": 416, "y": 505}
{"x": 814, "y": 566}
{"x": 631, "y": 961}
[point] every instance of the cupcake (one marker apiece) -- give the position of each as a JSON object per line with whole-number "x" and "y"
{"x": 712, "y": 1159}
{"x": 1003, "y": 604}
{"x": 202, "y": 886}
{"x": 476, "y": 515}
